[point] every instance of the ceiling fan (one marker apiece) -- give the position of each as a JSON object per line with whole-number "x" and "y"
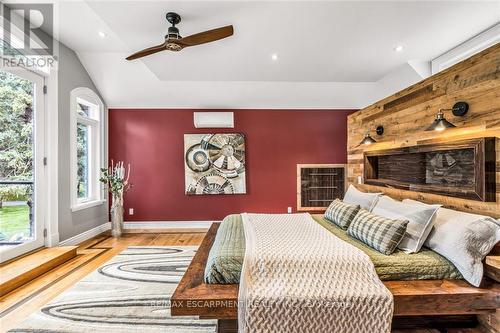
{"x": 174, "y": 41}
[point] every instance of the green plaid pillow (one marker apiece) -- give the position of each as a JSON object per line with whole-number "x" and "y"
{"x": 378, "y": 232}
{"x": 341, "y": 213}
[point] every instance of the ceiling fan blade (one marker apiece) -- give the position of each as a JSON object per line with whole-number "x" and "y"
{"x": 207, "y": 36}
{"x": 147, "y": 51}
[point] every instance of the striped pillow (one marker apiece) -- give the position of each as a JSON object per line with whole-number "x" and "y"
{"x": 341, "y": 213}
{"x": 378, "y": 232}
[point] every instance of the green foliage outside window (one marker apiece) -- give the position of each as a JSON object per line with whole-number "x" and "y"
{"x": 16, "y": 135}
{"x": 16, "y": 127}
{"x": 82, "y": 153}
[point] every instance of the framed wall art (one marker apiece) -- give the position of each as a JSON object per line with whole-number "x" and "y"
{"x": 214, "y": 163}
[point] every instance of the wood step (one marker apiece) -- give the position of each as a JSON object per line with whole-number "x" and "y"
{"x": 18, "y": 272}
{"x": 21, "y": 295}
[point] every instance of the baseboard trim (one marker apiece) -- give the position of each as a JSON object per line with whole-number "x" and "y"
{"x": 75, "y": 240}
{"x": 168, "y": 224}
{"x": 138, "y": 225}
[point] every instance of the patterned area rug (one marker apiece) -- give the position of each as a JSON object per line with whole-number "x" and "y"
{"x": 130, "y": 293}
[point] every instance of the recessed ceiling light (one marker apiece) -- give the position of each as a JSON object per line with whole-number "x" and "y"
{"x": 399, "y": 48}
{"x": 102, "y": 34}
{"x": 274, "y": 56}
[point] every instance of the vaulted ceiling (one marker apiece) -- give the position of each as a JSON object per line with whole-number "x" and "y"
{"x": 329, "y": 53}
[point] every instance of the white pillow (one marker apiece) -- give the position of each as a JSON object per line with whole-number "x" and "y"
{"x": 464, "y": 239}
{"x": 421, "y": 219}
{"x": 354, "y": 196}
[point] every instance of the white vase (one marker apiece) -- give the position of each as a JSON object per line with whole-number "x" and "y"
{"x": 116, "y": 217}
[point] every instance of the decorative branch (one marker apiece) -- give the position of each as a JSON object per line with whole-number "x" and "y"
{"x": 116, "y": 178}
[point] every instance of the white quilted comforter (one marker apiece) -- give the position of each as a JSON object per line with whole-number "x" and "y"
{"x": 298, "y": 277}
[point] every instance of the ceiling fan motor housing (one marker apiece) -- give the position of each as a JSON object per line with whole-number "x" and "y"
{"x": 173, "y": 33}
{"x": 171, "y": 39}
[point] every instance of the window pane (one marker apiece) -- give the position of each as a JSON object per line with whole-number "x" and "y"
{"x": 83, "y": 153}
{"x": 86, "y": 109}
{"x": 16, "y": 159}
{"x": 82, "y": 109}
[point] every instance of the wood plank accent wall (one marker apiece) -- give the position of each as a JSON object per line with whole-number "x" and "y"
{"x": 406, "y": 114}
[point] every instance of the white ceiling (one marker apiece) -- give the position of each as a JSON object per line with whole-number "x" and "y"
{"x": 330, "y": 53}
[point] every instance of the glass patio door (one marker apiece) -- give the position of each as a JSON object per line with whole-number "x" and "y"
{"x": 22, "y": 142}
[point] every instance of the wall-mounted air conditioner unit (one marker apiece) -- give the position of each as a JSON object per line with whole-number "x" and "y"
{"x": 213, "y": 119}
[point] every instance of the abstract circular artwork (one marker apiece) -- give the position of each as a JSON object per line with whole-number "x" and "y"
{"x": 197, "y": 159}
{"x": 215, "y": 163}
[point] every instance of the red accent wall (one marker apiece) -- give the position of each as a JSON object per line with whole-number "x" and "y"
{"x": 151, "y": 140}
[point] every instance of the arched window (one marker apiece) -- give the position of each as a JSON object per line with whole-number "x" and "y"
{"x": 87, "y": 148}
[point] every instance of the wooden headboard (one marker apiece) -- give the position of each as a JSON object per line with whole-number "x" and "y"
{"x": 406, "y": 114}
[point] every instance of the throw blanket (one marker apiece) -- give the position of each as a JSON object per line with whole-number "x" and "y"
{"x": 298, "y": 277}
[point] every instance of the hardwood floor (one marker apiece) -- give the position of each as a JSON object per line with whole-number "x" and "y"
{"x": 91, "y": 254}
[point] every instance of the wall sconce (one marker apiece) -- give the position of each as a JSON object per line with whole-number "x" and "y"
{"x": 368, "y": 140}
{"x": 440, "y": 123}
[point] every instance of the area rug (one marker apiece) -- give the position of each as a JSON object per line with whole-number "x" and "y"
{"x": 130, "y": 293}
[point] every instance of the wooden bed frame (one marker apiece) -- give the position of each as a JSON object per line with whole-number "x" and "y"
{"x": 417, "y": 303}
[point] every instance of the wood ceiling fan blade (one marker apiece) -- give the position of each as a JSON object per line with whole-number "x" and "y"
{"x": 207, "y": 36}
{"x": 148, "y": 51}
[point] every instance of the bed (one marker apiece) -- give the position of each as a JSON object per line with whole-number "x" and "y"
{"x": 226, "y": 257}
{"x": 441, "y": 297}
